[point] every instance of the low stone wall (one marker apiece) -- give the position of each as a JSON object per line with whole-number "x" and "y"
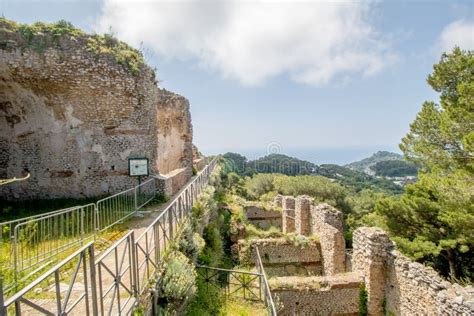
{"x": 263, "y": 218}
{"x": 407, "y": 287}
{"x": 199, "y": 163}
{"x": 282, "y": 257}
{"x": 172, "y": 182}
{"x": 335, "y": 295}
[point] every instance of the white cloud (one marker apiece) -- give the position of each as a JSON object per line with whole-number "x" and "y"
{"x": 313, "y": 42}
{"x": 458, "y": 33}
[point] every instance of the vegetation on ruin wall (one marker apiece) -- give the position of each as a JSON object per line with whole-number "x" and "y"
{"x": 40, "y": 36}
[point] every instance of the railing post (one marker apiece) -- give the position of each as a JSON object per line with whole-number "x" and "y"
{"x": 3, "y": 311}
{"x": 96, "y": 220}
{"x": 15, "y": 255}
{"x": 135, "y": 197}
{"x": 133, "y": 254}
{"x": 170, "y": 222}
{"x": 93, "y": 279}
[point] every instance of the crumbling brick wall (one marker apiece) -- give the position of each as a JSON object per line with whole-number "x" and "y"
{"x": 327, "y": 223}
{"x": 333, "y": 295}
{"x": 406, "y": 287}
{"x": 282, "y": 257}
{"x": 72, "y": 118}
{"x": 263, "y": 218}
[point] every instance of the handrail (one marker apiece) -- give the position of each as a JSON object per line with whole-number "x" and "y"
{"x": 267, "y": 293}
{"x": 168, "y": 221}
{"x": 159, "y": 217}
{"x": 228, "y": 270}
{"x": 40, "y": 279}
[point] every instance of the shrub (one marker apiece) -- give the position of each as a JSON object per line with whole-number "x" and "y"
{"x": 178, "y": 281}
{"x": 259, "y": 184}
{"x": 207, "y": 301}
{"x": 190, "y": 243}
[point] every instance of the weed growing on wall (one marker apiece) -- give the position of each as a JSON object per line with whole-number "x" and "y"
{"x": 363, "y": 299}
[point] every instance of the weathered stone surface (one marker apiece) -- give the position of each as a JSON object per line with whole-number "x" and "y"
{"x": 302, "y": 215}
{"x": 263, "y": 218}
{"x": 334, "y": 295}
{"x": 282, "y": 257}
{"x": 409, "y": 288}
{"x": 71, "y": 118}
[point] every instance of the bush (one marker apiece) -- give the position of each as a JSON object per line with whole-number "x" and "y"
{"x": 190, "y": 243}
{"x": 208, "y": 300}
{"x": 179, "y": 279}
{"x": 259, "y": 184}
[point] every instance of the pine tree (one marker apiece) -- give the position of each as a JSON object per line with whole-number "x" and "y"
{"x": 434, "y": 218}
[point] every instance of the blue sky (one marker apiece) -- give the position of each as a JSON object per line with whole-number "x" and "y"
{"x": 329, "y": 82}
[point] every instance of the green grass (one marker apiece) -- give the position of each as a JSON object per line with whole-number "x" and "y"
{"x": 241, "y": 307}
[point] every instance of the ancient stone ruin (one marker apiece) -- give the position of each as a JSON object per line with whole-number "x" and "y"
{"x": 318, "y": 276}
{"x": 73, "y": 109}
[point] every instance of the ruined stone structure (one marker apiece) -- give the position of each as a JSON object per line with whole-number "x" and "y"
{"x": 324, "y": 295}
{"x": 313, "y": 276}
{"x": 288, "y": 214}
{"x": 302, "y": 215}
{"x": 72, "y": 117}
{"x": 281, "y": 257}
{"x": 322, "y": 220}
{"x": 262, "y": 218}
{"x": 406, "y": 287}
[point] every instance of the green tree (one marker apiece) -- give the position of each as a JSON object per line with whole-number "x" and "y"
{"x": 434, "y": 219}
{"x": 442, "y": 135}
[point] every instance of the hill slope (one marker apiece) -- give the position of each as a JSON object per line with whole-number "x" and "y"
{"x": 365, "y": 164}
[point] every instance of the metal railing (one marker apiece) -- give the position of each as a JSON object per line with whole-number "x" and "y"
{"x": 64, "y": 302}
{"x": 116, "y": 278}
{"x": 243, "y": 284}
{"x": 155, "y": 240}
{"x": 113, "y": 283}
{"x": 267, "y": 295}
{"x": 33, "y": 242}
{"x": 36, "y": 241}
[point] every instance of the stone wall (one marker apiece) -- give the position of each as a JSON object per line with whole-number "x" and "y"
{"x": 302, "y": 215}
{"x": 335, "y": 295}
{"x": 327, "y": 223}
{"x": 288, "y": 213}
{"x": 323, "y": 220}
{"x": 72, "y": 118}
{"x": 172, "y": 182}
{"x": 263, "y": 218}
{"x": 282, "y": 257}
{"x": 199, "y": 163}
{"x": 407, "y": 287}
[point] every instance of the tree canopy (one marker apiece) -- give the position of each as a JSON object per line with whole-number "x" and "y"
{"x": 433, "y": 220}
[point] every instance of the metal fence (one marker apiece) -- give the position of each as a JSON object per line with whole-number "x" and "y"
{"x": 155, "y": 240}
{"x": 79, "y": 296}
{"x": 36, "y": 241}
{"x": 267, "y": 295}
{"x": 242, "y": 284}
{"x": 112, "y": 283}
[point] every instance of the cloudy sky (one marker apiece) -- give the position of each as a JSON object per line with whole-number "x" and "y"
{"x": 301, "y": 77}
